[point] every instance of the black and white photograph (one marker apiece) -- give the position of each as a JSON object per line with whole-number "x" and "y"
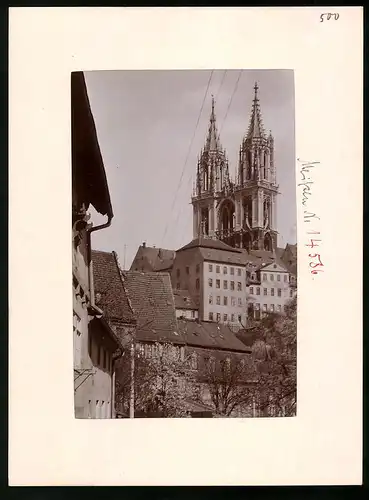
{"x": 184, "y": 244}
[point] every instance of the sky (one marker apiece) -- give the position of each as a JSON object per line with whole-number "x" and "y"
{"x": 151, "y": 126}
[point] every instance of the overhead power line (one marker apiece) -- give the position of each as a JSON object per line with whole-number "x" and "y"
{"x": 230, "y": 101}
{"x": 188, "y": 152}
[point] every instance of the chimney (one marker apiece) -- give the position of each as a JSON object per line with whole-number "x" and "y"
{"x": 144, "y": 244}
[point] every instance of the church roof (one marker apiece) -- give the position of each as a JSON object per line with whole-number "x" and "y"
{"x": 256, "y": 127}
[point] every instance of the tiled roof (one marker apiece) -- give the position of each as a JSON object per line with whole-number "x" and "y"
{"x": 260, "y": 258}
{"x": 210, "y": 335}
{"x": 183, "y": 300}
{"x": 152, "y": 300}
{"x": 152, "y": 259}
{"x": 225, "y": 256}
{"x": 108, "y": 284}
{"x": 211, "y": 244}
{"x": 293, "y": 249}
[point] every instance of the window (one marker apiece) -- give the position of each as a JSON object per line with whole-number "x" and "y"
{"x": 225, "y": 284}
{"x": 232, "y": 285}
{"x": 210, "y": 282}
{"x": 239, "y": 286}
{"x": 197, "y": 268}
{"x": 265, "y": 291}
{"x": 265, "y": 307}
{"x": 178, "y": 273}
{"x": 239, "y": 318}
{"x": 178, "y": 286}
{"x": 233, "y": 301}
{"x": 232, "y": 318}
{"x": 279, "y": 308}
{"x": 239, "y": 302}
{"x": 218, "y": 283}
{"x": 272, "y": 292}
{"x": 218, "y": 317}
{"x": 187, "y": 270}
{"x": 225, "y": 301}
{"x": 291, "y": 292}
{"x": 194, "y": 361}
{"x": 251, "y": 290}
{"x": 197, "y": 284}
{"x": 225, "y": 270}
{"x": 192, "y": 314}
{"x": 225, "y": 317}
{"x": 279, "y": 292}
{"x": 278, "y": 277}
{"x": 285, "y": 277}
{"x": 272, "y": 307}
{"x": 272, "y": 277}
{"x": 265, "y": 277}
{"x": 257, "y": 291}
{"x": 210, "y": 299}
{"x": 218, "y": 269}
{"x": 257, "y": 307}
{"x": 232, "y": 270}
{"x": 218, "y": 300}
{"x": 210, "y": 316}
{"x": 210, "y": 268}
{"x": 239, "y": 272}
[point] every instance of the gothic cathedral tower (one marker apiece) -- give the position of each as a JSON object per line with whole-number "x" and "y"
{"x": 240, "y": 213}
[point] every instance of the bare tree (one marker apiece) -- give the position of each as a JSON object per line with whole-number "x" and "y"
{"x": 229, "y": 383}
{"x": 159, "y": 381}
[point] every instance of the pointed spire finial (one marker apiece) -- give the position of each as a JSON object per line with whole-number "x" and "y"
{"x": 256, "y": 125}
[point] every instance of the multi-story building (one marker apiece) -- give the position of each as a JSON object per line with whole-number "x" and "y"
{"x": 214, "y": 274}
{"x": 95, "y": 346}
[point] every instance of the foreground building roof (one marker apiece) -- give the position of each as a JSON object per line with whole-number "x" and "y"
{"x": 152, "y": 300}
{"x": 110, "y": 293}
{"x": 210, "y": 335}
{"x": 89, "y": 181}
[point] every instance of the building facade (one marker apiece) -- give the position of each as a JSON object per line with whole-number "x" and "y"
{"x": 95, "y": 346}
{"x": 214, "y": 275}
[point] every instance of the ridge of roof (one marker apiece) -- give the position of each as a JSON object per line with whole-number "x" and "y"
{"x": 209, "y": 243}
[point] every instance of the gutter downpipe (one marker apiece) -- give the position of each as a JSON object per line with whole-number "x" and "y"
{"x": 96, "y": 309}
{"x": 90, "y": 274}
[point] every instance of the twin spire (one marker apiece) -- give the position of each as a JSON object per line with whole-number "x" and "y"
{"x": 256, "y": 127}
{"x": 212, "y": 142}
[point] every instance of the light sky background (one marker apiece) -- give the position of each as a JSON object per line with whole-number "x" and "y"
{"x": 146, "y": 122}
